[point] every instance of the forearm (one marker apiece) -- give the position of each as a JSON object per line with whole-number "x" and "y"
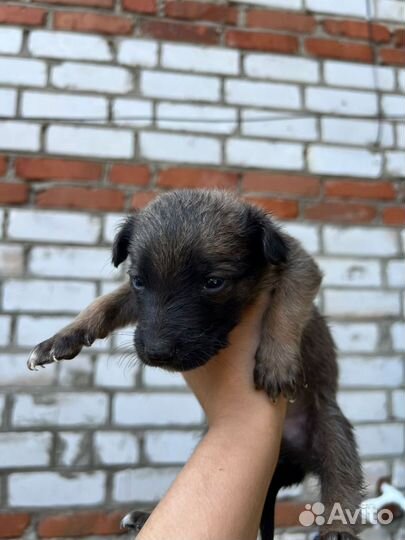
{"x": 219, "y": 494}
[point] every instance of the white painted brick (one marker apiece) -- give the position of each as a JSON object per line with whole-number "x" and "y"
{"x": 178, "y": 86}
{"x": 193, "y": 117}
{"x": 158, "y": 378}
{"x": 306, "y": 234}
{"x": 176, "y": 147}
{"x": 398, "y": 336}
{"x": 22, "y": 136}
{"x": 63, "y": 106}
{"x": 285, "y": 4}
{"x": 22, "y": 71}
{"x": 373, "y": 472}
{"x": 391, "y": 10}
{"x": 78, "y": 373}
{"x": 146, "y": 484}
{"x": 24, "y": 449}
{"x": 344, "y": 161}
{"x": 396, "y": 273}
{"x": 72, "y": 262}
{"x": 384, "y": 439}
{"x": 115, "y": 371}
{"x": 363, "y": 406}
{"x": 51, "y": 489}
{"x": 116, "y": 448}
{"x": 38, "y": 295}
{"x": 398, "y": 404}
{"x": 361, "y": 303}
{"x": 360, "y": 241}
{"x": 52, "y": 226}
{"x": 77, "y": 76}
{"x": 68, "y": 45}
{"x": 70, "y": 450}
{"x": 400, "y": 135}
{"x": 8, "y": 102}
{"x": 10, "y": 40}
{"x": 172, "y": 447}
{"x": 33, "y": 330}
{"x": 361, "y": 132}
{"x": 359, "y": 76}
{"x": 395, "y": 163}
{"x": 2, "y": 406}
{"x": 384, "y": 372}
{"x": 111, "y": 224}
{"x": 156, "y": 409}
{"x": 125, "y": 109}
{"x": 14, "y": 372}
{"x": 262, "y": 94}
{"x": 265, "y": 124}
{"x": 5, "y": 329}
{"x": 1, "y": 222}
{"x": 346, "y": 102}
{"x": 393, "y": 105}
{"x": 350, "y": 272}
{"x": 401, "y": 79}
{"x": 11, "y": 260}
{"x": 138, "y": 52}
{"x": 355, "y": 337}
{"x": 281, "y": 68}
{"x": 202, "y": 59}
{"x": 398, "y": 474}
{"x": 60, "y": 409}
{"x": 255, "y": 153}
{"x": 97, "y": 142}
{"x": 343, "y": 7}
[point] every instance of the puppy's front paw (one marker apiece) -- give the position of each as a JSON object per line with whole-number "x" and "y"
{"x": 134, "y": 521}
{"x": 277, "y": 370}
{"x": 62, "y": 346}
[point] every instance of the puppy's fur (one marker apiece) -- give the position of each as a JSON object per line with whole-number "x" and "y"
{"x": 197, "y": 259}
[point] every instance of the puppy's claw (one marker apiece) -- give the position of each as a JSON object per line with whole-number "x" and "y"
{"x": 134, "y": 521}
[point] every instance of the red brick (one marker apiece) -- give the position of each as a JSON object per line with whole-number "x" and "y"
{"x": 328, "y": 48}
{"x": 80, "y": 524}
{"x": 85, "y": 3}
{"x": 394, "y": 57}
{"x": 399, "y": 38}
{"x": 262, "y": 41}
{"x": 57, "y": 169}
{"x": 287, "y": 514}
{"x": 135, "y": 175}
{"x": 13, "y": 193}
{"x": 3, "y": 165}
{"x": 142, "y": 198}
{"x": 200, "y": 11}
{"x": 279, "y": 208}
{"x": 357, "y": 30}
{"x": 77, "y": 197}
{"x": 175, "y": 31}
{"x": 306, "y": 186}
{"x": 341, "y": 212}
{"x": 280, "y": 20}
{"x": 347, "y": 189}
{"x": 91, "y": 22}
{"x": 196, "y": 178}
{"x": 394, "y": 216}
{"x": 13, "y": 525}
{"x": 140, "y": 6}
{"x": 22, "y": 15}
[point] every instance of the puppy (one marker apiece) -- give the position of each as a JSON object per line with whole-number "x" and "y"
{"x": 197, "y": 259}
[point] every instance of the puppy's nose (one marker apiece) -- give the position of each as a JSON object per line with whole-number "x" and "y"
{"x": 159, "y": 352}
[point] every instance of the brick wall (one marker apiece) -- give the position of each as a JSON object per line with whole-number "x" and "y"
{"x": 277, "y": 100}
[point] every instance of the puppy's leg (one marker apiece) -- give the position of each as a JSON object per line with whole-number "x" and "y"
{"x": 339, "y": 468}
{"x": 278, "y": 363}
{"x": 134, "y": 521}
{"x": 97, "y": 321}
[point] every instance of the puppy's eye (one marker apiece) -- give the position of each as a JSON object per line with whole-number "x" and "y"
{"x": 214, "y": 284}
{"x": 138, "y": 282}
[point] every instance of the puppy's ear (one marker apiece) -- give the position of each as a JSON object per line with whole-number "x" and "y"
{"x": 267, "y": 237}
{"x": 121, "y": 240}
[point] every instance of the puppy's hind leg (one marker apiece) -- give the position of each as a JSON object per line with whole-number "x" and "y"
{"x": 97, "y": 321}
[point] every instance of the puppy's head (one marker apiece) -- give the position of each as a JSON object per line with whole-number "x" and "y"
{"x": 196, "y": 259}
